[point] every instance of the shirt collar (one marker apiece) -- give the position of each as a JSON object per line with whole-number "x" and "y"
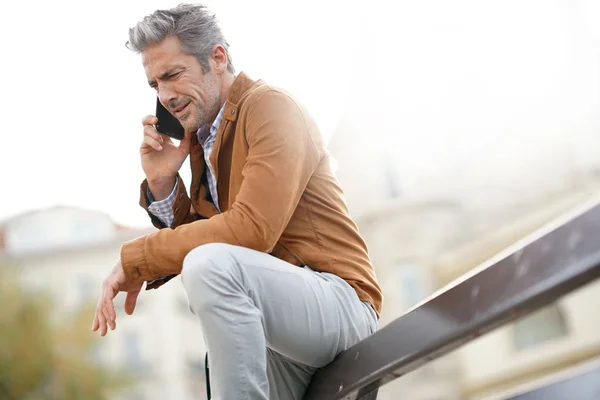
{"x": 205, "y": 132}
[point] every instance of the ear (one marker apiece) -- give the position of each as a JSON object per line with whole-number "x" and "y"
{"x": 219, "y": 58}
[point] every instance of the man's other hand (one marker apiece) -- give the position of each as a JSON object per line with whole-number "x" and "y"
{"x": 105, "y": 310}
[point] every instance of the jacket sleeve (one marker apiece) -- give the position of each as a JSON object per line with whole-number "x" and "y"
{"x": 281, "y": 159}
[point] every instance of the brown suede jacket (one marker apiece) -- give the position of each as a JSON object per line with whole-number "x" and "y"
{"x": 277, "y": 194}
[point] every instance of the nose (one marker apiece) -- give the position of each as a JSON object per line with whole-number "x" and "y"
{"x": 166, "y": 95}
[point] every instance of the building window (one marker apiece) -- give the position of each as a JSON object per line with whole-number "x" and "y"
{"x": 541, "y": 326}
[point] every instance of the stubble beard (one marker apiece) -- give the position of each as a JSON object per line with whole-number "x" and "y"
{"x": 203, "y": 115}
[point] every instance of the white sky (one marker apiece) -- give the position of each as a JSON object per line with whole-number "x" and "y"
{"x": 73, "y": 95}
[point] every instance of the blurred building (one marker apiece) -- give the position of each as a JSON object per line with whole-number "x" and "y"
{"x": 461, "y": 137}
{"x": 68, "y": 252}
{"x": 428, "y": 221}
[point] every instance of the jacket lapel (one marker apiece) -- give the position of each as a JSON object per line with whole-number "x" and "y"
{"x": 198, "y": 191}
{"x": 226, "y": 130}
{"x": 197, "y": 165}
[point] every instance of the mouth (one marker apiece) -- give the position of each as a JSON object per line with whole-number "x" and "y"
{"x": 180, "y": 111}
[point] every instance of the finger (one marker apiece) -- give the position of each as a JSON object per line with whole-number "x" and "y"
{"x": 160, "y": 137}
{"x": 101, "y": 321}
{"x": 108, "y": 308}
{"x": 107, "y": 315}
{"x": 110, "y": 304}
{"x": 150, "y": 143}
{"x": 153, "y": 133}
{"x": 96, "y": 323}
{"x": 149, "y": 120}
{"x": 130, "y": 301}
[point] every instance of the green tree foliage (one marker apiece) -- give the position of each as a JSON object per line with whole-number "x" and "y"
{"x": 45, "y": 357}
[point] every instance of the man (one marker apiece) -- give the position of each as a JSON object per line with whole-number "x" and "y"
{"x": 272, "y": 264}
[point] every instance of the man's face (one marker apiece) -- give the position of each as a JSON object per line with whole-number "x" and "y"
{"x": 192, "y": 96}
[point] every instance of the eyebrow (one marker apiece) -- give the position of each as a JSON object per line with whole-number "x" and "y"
{"x": 165, "y": 75}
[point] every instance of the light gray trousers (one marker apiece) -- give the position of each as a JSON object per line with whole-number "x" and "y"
{"x": 269, "y": 325}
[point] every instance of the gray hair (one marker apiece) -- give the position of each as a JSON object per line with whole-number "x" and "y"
{"x": 195, "y": 26}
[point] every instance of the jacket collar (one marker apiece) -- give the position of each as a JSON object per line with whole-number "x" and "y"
{"x": 240, "y": 86}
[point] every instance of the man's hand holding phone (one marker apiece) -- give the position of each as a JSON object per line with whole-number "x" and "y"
{"x": 161, "y": 158}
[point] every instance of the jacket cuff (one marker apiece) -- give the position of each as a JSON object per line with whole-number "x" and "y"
{"x": 144, "y": 200}
{"x": 133, "y": 260}
{"x": 182, "y": 205}
{"x": 145, "y": 203}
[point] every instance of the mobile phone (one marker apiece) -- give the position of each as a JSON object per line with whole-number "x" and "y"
{"x": 167, "y": 123}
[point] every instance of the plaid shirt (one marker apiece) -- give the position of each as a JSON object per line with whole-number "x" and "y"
{"x": 206, "y": 137}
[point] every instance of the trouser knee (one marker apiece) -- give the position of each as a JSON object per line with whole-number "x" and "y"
{"x": 209, "y": 272}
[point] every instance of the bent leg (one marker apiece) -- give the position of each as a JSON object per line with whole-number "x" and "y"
{"x": 249, "y": 302}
